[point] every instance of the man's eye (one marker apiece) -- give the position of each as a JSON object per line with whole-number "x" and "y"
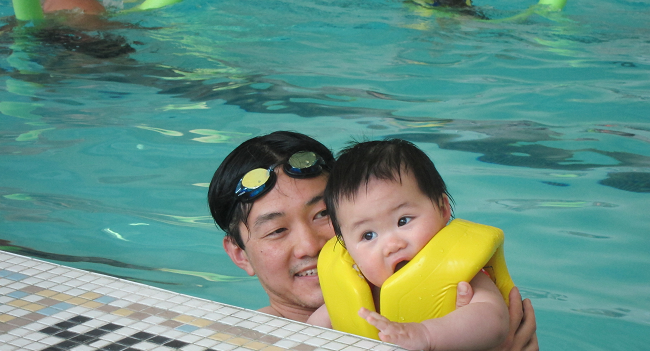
{"x": 369, "y": 235}
{"x": 402, "y": 221}
{"x": 276, "y": 232}
{"x": 322, "y": 214}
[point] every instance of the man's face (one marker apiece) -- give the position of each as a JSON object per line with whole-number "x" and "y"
{"x": 287, "y": 228}
{"x": 387, "y": 224}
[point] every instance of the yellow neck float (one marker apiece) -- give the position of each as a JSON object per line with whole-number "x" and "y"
{"x": 423, "y": 289}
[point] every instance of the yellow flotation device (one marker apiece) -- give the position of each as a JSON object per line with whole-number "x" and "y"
{"x": 424, "y": 288}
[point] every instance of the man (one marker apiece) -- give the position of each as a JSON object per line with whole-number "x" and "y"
{"x": 267, "y": 196}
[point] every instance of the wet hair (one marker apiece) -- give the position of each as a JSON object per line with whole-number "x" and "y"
{"x": 384, "y": 160}
{"x": 102, "y": 45}
{"x": 259, "y": 152}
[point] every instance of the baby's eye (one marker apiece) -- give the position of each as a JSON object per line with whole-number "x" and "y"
{"x": 402, "y": 221}
{"x": 369, "y": 235}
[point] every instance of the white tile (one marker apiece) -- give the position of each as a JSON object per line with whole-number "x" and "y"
{"x": 214, "y": 316}
{"x": 224, "y": 347}
{"x": 35, "y": 346}
{"x": 156, "y": 329}
{"x": 16, "y": 285}
{"x": 244, "y": 314}
{"x": 20, "y": 342}
{"x": 330, "y": 335}
{"x": 247, "y": 324}
{"x": 313, "y": 331}
{"x": 112, "y": 337}
{"x": 31, "y": 271}
{"x": 384, "y": 347}
{"x": 352, "y": 348}
{"x": 203, "y": 332}
{"x": 261, "y": 318}
{"x": 227, "y": 310}
{"x": 140, "y": 325}
{"x": 347, "y": 339}
{"x": 145, "y": 346}
{"x": 207, "y": 342}
{"x": 99, "y": 343}
{"x": 298, "y": 337}
{"x": 190, "y": 338}
{"x": 35, "y": 326}
{"x": 333, "y": 345}
{"x": 287, "y": 344}
{"x": 281, "y": 333}
{"x": 173, "y": 334}
{"x": 18, "y": 312}
{"x": 45, "y": 284}
{"x": 230, "y": 320}
{"x": 266, "y": 329}
{"x": 154, "y": 320}
{"x": 316, "y": 341}
{"x": 295, "y": 327}
{"x": 366, "y": 344}
{"x": 5, "y": 338}
{"x": 33, "y": 298}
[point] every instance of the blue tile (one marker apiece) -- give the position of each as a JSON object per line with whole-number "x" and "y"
{"x": 62, "y": 306}
{"x": 105, "y": 299}
{"x": 4, "y": 273}
{"x": 187, "y": 328}
{"x": 17, "y": 294}
{"x": 17, "y": 276}
{"x": 48, "y": 311}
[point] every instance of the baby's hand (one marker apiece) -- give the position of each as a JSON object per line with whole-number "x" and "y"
{"x": 413, "y": 336}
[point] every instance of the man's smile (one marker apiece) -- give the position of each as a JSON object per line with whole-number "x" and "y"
{"x": 309, "y": 272}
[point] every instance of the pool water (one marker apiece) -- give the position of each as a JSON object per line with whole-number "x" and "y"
{"x": 109, "y": 136}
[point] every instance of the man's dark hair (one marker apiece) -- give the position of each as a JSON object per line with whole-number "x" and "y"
{"x": 383, "y": 160}
{"x": 259, "y": 152}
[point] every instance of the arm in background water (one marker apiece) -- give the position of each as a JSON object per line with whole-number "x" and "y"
{"x": 31, "y": 10}
{"x": 89, "y": 7}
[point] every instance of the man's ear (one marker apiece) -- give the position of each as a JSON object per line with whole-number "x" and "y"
{"x": 238, "y": 255}
{"x": 445, "y": 208}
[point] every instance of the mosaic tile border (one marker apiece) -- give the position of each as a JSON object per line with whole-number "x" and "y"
{"x": 45, "y": 306}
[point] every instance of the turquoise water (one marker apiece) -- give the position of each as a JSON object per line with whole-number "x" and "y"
{"x": 539, "y": 127}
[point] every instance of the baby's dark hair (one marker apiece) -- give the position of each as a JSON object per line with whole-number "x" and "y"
{"x": 383, "y": 160}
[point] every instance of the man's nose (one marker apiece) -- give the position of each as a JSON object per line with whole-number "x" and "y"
{"x": 310, "y": 241}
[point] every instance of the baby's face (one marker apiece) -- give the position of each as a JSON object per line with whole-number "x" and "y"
{"x": 387, "y": 225}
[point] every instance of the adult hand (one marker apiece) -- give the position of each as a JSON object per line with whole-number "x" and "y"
{"x": 522, "y": 335}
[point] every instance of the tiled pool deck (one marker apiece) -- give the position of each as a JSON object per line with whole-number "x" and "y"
{"x": 45, "y": 306}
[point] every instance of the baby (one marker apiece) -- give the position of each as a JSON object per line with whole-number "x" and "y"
{"x": 386, "y": 202}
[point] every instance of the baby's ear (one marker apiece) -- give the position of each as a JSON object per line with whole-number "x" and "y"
{"x": 445, "y": 208}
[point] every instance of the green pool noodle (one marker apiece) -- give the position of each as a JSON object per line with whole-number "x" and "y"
{"x": 154, "y": 4}
{"x": 28, "y": 10}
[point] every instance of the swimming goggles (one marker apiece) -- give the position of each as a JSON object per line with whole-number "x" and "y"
{"x": 302, "y": 164}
